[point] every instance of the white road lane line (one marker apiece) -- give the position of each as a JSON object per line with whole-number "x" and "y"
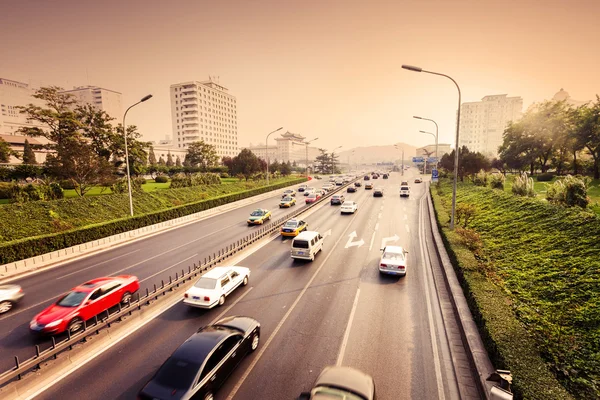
{"x": 169, "y": 267}
{"x": 95, "y": 265}
{"x": 340, "y": 358}
{"x": 436, "y": 354}
{"x": 372, "y": 240}
{"x": 407, "y": 229}
{"x": 379, "y": 216}
{"x": 377, "y": 226}
{"x": 405, "y": 217}
{"x": 239, "y": 384}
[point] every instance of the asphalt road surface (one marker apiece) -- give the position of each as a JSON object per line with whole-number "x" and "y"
{"x": 151, "y": 260}
{"x": 335, "y": 310}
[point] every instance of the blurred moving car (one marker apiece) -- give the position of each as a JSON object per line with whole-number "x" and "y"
{"x": 368, "y": 186}
{"x": 404, "y": 191}
{"x": 385, "y": 176}
{"x": 341, "y": 383}
{"x": 212, "y": 287}
{"x": 259, "y": 216}
{"x": 393, "y": 260}
{"x": 287, "y": 202}
{"x": 418, "y": 180}
{"x": 204, "y": 361}
{"x": 349, "y": 207}
{"x": 293, "y": 227}
{"x": 84, "y": 302}
{"x": 309, "y": 190}
{"x": 378, "y": 192}
{"x": 289, "y": 192}
{"x": 337, "y": 199}
{"x": 351, "y": 189}
{"x": 302, "y": 187}
{"x": 404, "y": 183}
{"x": 10, "y": 295}
{"x": 311, "y": 198}
{"x": 366, "y": 178}
{"x": 357, "y": 184}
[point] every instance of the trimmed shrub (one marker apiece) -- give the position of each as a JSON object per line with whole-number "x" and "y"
{"x": 545, "y": 177}
{"x": 569, "y": 191}
{"x": 119, "y": 187}
{"x": 5, "y": 173}
{"x": 161, "y": 179}
{"x": 523, "y": 186}
{"x": 465, "y": 213}
{"x": 497, "y": 181}
{"x": 481, "y": 178}
{"x": 5, "y": 190}
{"x": 197, "y": 179}
{"x": 224, "y": 175}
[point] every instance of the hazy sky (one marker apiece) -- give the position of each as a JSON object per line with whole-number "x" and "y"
{"x": 322, "y": 68}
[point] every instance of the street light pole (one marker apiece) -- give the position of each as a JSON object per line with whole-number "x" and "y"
{"x": 419, "y": 69}
{"x": 148, "y": 97}
{"x": 436, "y": 137}
{"x": 402, "y": 161}
{"x": 307, "y": 143}
{"x": 267, "y": 151}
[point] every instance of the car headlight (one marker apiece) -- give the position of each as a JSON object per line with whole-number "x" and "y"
{"x": 53, "y": 323}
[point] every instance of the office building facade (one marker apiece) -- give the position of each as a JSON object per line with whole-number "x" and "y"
{"x": 101, "y": 99}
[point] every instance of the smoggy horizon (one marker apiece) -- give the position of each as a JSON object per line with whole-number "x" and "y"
{"x": 326, "y": 69}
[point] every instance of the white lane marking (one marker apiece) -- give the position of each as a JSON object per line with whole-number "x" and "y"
{"x": 381, "y": 208}
{"x": 377, "y": 226}
{"x": 169, "y": 267}
{"x": 436, "y": 355}
{"x": 379, "y": 216}
{"x": 95, "y": 265}
{"x": 372, "y": 240}
{"x": 347, "y": 332}
{"x": 285, "y": 317}
{"x": 407, "y": 228}
{"x": 231, "y": 306}
{"x": 403, "y": 208}
{"x": 389, "y": 239}
{"x": 350, "y": 243}
{"x": 326, "y": 233}
{"x": 405, "y": 217}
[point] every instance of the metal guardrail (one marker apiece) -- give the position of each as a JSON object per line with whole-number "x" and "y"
{"x": 105, "y": 319}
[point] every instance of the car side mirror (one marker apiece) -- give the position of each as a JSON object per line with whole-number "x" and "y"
{"x": 304, "y": 396}
{"x": 88, "y": 302}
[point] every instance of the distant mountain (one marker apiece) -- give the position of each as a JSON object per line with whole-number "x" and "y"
{"x": 375, "y": 154}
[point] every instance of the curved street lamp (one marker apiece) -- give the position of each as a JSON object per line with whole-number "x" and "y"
{"x": 147, "y": 97}
{"x": 307, "y": 143}
{"x": 419, "y": 69}
{"x": 436, "y": 134}
{"x": 267, "y": 151}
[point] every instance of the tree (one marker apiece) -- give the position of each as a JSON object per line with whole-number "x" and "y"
{"x": 161, "y": 161}
{"x": 286, "y": 169}
{"x": 152, "y": 157}
{"x": 138, "y": 150}
{"x": 28, "y": 154}
{"x": 228, "y": 162}
{"x": 469, "y": 163}
{"x": 588, "y": 133}
{"x": 178, "y": 162}
{"x": 170, "y": 162}
{"x": 246, "y": 163}
{"x": 202, "y": 154}
{"x": 517, "y": 149}
{"x": 95, "y": 125}
{"x": 5, "y": 151}
{"x": 323, "y": 162}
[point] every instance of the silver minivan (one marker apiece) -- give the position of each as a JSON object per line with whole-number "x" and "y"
{"x": 306, "y": 245}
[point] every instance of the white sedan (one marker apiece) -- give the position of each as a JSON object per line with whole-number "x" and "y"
{"x": 393, "y": 260}
{"x": 349, "y": 207}
{"x": 212, "y": 288}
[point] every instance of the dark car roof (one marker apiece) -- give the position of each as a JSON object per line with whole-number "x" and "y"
{"x": 241, "y": 324}
{"x": 201, "y": 343}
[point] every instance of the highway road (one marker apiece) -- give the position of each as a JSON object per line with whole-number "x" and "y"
{"x": 150, "y": 259}
{"x": 335, "y": 310}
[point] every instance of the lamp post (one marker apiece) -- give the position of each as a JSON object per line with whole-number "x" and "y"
{"x": 436, "y": 135}
{"x": 397, "y": 148}
{"x": 148, "y": 97}
{"x": 267, "y": 151}
{"x": 419, "y": 69}
{"x": 306, "y": 143}
{"x": 333, "y": 158}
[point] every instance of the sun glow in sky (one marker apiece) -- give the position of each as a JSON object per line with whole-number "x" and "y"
{"x": 327, "y": 69}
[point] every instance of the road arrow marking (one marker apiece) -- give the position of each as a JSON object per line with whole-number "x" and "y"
{"x": 389, "y": 239}
{"x": 350, "y": 243}
{"x": 326, "y": 233}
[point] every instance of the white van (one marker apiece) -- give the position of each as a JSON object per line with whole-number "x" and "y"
{"x": 404, "y": 191}
{"x": 306, "y": 245}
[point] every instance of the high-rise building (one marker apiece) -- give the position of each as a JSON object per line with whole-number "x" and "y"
{"x": 563, "y": 95}
{"x": 204, "y": 111}
{"x": 482, "y": 123}
{"x": 102, "y": 99}
{"x": 12, "y": 95}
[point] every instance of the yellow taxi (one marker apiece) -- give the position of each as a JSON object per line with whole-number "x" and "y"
{"x": 369, "y": 186}
{"x": 293, "y": 227}
{"x": 287, "y": 202}
{"x": 259, "y": 216}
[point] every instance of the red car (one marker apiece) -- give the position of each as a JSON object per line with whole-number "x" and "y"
{"x": 311, "y": 198}
{"x": 84, "y": 302}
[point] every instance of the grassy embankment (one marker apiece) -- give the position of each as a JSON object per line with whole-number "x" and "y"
{"x": 531, "y": 273}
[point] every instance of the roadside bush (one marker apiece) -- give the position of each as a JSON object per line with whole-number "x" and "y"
{"x": 224, "y": 175}
{"x": 5, "y": 173}
{"x": 136, "y": 183}
{"x": 481, "y": 178}
{"x": 119, "y": 186}
{"x": 67, "y": 184}
{"x": 24, "y": 171}
{"x": 465, "y": 213}
{"x": 569, "y": 191}
{"x": 197, "y": 179}
{"x": 497, "y": 181}
{"x": 161, "y": 179}
{"x": 545, "y": 177}
{"x": 5, "y": 190}
{"x": 523, "y": 186}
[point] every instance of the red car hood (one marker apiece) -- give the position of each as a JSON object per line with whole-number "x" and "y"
{"x": 53, "y": 313}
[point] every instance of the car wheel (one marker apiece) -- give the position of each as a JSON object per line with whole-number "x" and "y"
{"x": 254, "y": 342}
{"x": 245, "y": 281}
{"x": 221, "y": 300}
{"x": 208, "y": 396}
{"x": 126, "y": 299}
{"x": 75, "y": 325}
{"x": 5, "y": 306}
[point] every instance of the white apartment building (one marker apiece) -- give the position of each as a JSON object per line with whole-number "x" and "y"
{"x": 204, "y": 111}
{"x": 482, "y": 123}
{"x": 290, "y": 147}
{"x": 13, "y": 94}
{"x": 102, "y": 99}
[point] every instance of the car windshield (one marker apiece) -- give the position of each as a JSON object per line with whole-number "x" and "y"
{"x": 404, "y": 188}
{"x": 287, "y": 199}
{"x": 312, "y": 196}
{"x": 336, "y": 197}
{"x": 330, "y": 393}
{"x": 291, "y": 224}
{"x": 206, "y": 283}
{"x": 257, "y": 213}
{"x": 176, "y": 374}
{"x": 389, "y": 255}
{"x": 73, "y": 299}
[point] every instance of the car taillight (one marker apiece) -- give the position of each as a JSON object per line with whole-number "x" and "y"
{"x": 206, "y": 298}
{"x": 382, "y": 265}
{"x": 185, "y": 295}
{"x": 401, "y": 267}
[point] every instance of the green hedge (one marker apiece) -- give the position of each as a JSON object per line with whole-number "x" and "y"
{"x": 532, "y": 285}
{"x": 32, "y": 246}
